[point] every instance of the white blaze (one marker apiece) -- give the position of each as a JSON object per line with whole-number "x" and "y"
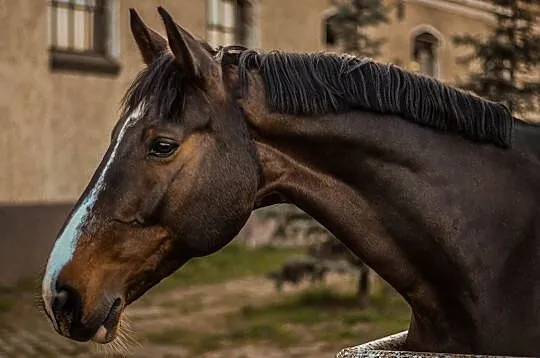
{"x": 64, "y": 246}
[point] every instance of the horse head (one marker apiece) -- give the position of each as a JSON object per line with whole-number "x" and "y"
{"x": 177, "y": 181}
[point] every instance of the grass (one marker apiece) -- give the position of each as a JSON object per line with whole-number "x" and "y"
{"x": 193, "y": 304}
{"x": 232, "y": 262}
{"x": 305, "y": 317}
{"x": 175, "y": 336}
{"x": 11, "y": 296}
{"x": 320, "y": 309}
{"x": 236, "y": 334}
{"x": 332, "y": 317}
{"x": 5, "y": 304}
{"x": 26, "y": 285}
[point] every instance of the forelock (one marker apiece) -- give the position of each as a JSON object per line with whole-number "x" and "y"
{"x": 161, "y": 86}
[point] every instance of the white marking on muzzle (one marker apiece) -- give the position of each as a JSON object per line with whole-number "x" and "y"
{"x": 64, "y": 246}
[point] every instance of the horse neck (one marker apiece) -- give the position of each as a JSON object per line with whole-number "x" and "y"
{"x": 350, "y": 174}
{"x": 401, "y": 208}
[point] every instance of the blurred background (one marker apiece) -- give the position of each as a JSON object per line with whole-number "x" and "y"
{"x": 285, "y": 287}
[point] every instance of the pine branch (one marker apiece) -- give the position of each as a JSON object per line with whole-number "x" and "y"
{"x": 350, "y": 22}
{"x": 506, "y": 56}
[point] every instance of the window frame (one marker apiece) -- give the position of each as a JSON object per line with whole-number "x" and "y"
{"x": 97, "y": 59}
{"x": 330, "y": 37}
{"x": 426, "y": 40}
{"x": 242, "y": 29}
{"x": 439, "y": 48}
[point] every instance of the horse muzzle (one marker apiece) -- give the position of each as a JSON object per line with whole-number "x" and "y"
{"x": 67, "y": 316}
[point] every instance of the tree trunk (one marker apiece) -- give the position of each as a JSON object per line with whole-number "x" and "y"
{"x": 362, "y": 294}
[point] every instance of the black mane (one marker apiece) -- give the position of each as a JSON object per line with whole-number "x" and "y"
{"x": 311, "y": 84}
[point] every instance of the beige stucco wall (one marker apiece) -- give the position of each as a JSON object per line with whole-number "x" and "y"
{"x": 54, "y": 126}
{"x": 292, "y": 25}
{"x": 443, "y": 21}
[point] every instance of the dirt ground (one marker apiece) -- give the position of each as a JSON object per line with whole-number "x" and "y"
{"x": 171, "y": 323}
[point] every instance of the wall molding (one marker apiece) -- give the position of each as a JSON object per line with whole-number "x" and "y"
{"x": 470, "y": 8}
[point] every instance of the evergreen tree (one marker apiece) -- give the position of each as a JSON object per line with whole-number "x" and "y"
{"x": 509, "y": 57}
{"x": 350, "y": 22}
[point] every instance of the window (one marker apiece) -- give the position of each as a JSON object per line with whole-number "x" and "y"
{"x": 80, "y": 35}
{"x": 229, "y": 22}
{"x": 425, "y": 53}
{"x": 330, "y": 36}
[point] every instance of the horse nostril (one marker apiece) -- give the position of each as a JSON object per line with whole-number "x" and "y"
{"x": 66, "y": 306}
{"x": 116, "y": 303}
{"x": 59, "y": 301}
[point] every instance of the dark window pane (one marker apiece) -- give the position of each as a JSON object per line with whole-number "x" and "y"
{"x": 425, "y": 46}
{"x": 329, "y": 33}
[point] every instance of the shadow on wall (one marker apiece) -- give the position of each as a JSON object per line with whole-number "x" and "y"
{"x": 27, "y": 233}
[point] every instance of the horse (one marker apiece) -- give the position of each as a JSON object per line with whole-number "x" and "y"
{"x": 434, "y": 188}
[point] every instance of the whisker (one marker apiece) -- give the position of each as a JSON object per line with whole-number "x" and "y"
{"x": 37, "y": 302}
{"x": 123, "y": 344}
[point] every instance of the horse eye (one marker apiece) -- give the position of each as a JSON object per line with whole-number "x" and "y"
{"x": 162, "y": 147}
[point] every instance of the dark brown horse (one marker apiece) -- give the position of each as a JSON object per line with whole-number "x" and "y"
{"x": 437, "y": 190}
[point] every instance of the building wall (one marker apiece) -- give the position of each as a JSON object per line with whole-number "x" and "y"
{"x": 55, "y": 126}
{"x": 292, "y": 25}
{"x": 442, "y": 19}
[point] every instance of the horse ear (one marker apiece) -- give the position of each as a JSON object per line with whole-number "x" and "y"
{"x": 189, "y": 53}
{"x": 151, "y": 44}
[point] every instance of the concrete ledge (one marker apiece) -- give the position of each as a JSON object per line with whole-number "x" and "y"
{"x": 385, "y": 346}
{"x": 390, "y": 347}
